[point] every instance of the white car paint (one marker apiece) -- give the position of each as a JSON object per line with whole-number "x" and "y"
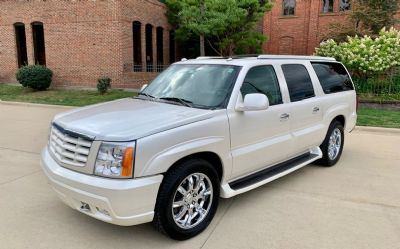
{"x": 244, "y": 141}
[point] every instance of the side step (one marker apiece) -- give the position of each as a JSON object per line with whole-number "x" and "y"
{"x": 269, "y": 174}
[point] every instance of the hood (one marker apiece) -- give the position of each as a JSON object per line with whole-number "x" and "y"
{"x": 128, "y": 119}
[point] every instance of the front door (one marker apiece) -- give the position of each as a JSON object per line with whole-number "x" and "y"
{"x": 260, "y": 138}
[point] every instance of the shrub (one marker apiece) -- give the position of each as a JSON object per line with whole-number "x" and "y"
{"x": 37, "y": 77}
{"x": 103, "y": 84}
{"x": 366, "y": 56}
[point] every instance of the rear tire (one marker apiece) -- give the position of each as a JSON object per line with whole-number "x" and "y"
{"x": 332, "y": 146}
{"x": 189, "y": 188}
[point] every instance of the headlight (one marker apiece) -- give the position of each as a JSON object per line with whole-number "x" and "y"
{"x": 115, "y": 160}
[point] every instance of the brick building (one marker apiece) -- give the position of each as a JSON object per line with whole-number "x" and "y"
{"x": 298, "y": 26}
{"x": 127, "y": 40}
{"x": 130, "y": 40}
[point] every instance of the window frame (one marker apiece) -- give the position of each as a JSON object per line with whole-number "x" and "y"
{"x": 315, "y": 90}
{"x": 294, "y": 9}
{"x": 281, "y": 90}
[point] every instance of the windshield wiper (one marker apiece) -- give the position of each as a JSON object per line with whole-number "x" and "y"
{"x": 147, "y": 95}
{"x": 178, "y": 100}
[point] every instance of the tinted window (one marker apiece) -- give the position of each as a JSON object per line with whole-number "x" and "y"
{"x": 333, "y": 77}
{"x": 262, "y": 79}
{"x": 298, "y": 81}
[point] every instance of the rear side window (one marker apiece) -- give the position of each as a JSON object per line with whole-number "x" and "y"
{"x": 298, "y": 81}
{"x": 262, "y": 79}
{"x": 333, "y": 77}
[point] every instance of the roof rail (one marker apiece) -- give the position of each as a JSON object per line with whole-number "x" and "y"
{"x": 210, "y": 57}
{"x": 295, "y": 57}
{"x": 240, "y": 56}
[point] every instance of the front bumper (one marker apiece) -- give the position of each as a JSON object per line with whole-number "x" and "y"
{"x": 122, "y": 202}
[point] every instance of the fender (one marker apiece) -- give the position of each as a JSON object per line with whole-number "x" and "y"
{"x": 333, "y": 112}
{"x": 163, "y": 160}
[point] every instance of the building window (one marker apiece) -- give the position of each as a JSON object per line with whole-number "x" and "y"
{"x": 327, "y": 6}
{"x": 345, "y": 5}
{"x": 137, "y": 46}
{"x": 160, "y": 48}
{"x": 20, "y": 39}
{"x": 38, "y": 43}
{"x": 149, "y": 47}
{"x": 289, "y": 7}
{"x": 172, "y": 57}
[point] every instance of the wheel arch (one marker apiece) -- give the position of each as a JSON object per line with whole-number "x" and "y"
{"x": 341, "y": 119}
{"x": 209, "y": 156}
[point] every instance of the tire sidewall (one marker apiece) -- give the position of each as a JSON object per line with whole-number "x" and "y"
{"x": 190, "y": 167}
{"x": 332, "y": 127}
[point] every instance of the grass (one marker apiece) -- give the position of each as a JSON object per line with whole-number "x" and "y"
{"x": 378, "y": 118}
{"x": 59, "y": 96}
{"x": 380, "y": 98}
{"x": 366, "y": 116}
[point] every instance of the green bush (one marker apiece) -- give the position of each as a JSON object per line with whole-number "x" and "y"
{"x": 366, "y": 56}
{"x": 103, "y": 84}
{"x": 37, "y": 77}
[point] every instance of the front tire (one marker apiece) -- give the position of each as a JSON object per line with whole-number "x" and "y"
{"x": 187, "y": 199}
{"x": 332, "y": 146}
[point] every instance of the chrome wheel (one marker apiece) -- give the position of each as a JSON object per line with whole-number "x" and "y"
{"x": 192, "y": 200}
{"x": 335, "y": 142}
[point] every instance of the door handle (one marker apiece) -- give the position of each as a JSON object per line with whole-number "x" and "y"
{"x": 315, "y": 109}
{"x": 285, "y": 117}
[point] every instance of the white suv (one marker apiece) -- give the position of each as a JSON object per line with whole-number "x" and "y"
{"x": 203, "y": 129}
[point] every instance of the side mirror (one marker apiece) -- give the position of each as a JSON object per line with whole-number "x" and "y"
{"x": 143, "y": 87}
{"x": 254, "y": 102}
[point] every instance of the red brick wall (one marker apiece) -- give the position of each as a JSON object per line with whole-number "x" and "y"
{"x": 88, "y": 39}
{"x": 151, "y": 12}
{"x": 84, "y": 40}
{"x": 301, "y": 33}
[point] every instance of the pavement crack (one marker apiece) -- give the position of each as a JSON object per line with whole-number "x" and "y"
{"x": 359, "y": 201}
{"x": 219, "y": 221}
{"x": 18, "y": 150}
{"x": 18, "y": 178}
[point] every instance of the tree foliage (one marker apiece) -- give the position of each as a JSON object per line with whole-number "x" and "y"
{"x": 367, "y": 17}
{"x": 370, "y": 16}
{"x": 227, "y": 25}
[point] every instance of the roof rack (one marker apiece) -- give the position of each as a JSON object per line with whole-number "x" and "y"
{"x": 295, "y": 57}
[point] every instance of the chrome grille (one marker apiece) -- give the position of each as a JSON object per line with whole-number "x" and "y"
{"x": 69, "y": 150}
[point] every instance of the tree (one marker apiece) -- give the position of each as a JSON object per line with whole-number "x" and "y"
{"x": 370, "y": 16}
{"x": 228, "y": 26}
{"x": 367, "y": 17}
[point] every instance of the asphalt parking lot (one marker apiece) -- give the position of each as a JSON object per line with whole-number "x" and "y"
{"x": 355, "y": 204}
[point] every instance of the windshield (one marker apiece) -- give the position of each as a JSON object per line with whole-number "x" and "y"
{"x": 203, "y": 86}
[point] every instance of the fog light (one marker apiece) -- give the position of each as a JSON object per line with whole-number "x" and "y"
{"x": 85, "y": 206}
{"x": 103, "y": 211}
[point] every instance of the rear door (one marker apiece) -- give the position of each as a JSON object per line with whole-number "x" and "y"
{"x": 306, "y": 111}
